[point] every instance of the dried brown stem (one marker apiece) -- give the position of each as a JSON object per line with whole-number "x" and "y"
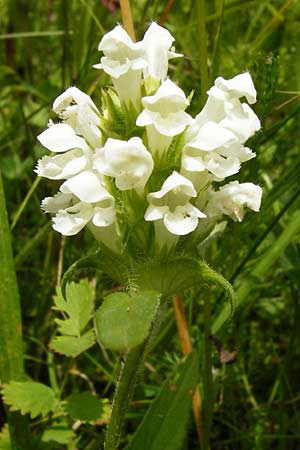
{"x": 186, "y": 347}
{"x": 127, "y": 18}
{"x": 165, "y": 13}
{"x": 60, "y": 260}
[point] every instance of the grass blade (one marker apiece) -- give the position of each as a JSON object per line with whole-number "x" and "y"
{"x": 11, "y": 348}
{"x": 164, "y": 425}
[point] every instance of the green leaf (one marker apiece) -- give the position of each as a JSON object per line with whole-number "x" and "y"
{"x": 103, "y": 261}
{"x": 30, "y": 397}
{"x": 78, "y": 306}
{"x": 73, "y": 345}
{"x": 177, "y": 274}
{"x": 169, "y": 276}
{"x": 165, "y": 423}
{"x": 86, "y": 407}
{"x": 60, "y": 433}
{"x": 122, "y": 322}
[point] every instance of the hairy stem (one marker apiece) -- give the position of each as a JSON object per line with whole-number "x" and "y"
{"x": 123, "y": 395}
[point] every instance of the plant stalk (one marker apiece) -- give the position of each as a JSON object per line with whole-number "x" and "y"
{"x": 124, "y": 391}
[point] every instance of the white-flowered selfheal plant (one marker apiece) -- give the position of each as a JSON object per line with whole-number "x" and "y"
{"x": 150, "y": 182}
{"x": 137, "y": 169}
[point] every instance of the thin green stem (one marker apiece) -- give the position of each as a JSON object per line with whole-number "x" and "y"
{"x": 123, "y": 395}
{"x": 25, "y": 201}
{"x": 203, "y": 65}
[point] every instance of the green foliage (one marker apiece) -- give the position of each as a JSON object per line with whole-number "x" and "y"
{"x": 73, "y": 345}
{"x": 86, "y": 407}
{"x": 78, "y": 306}
{"x": 30, "y": 397}
{"x": 123, "y": 321}
{"x": 58, "y": 434}
{"x": 164, "y": 425}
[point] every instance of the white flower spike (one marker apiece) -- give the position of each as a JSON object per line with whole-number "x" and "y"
{"x": 94, "y": 165}
{"x": 171, "y": 204}
{"x": 129, "y": 163}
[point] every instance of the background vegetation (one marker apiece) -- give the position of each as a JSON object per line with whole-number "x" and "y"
{"x": 46, "y": 46}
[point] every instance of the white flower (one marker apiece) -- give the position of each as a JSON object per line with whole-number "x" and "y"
{"x": 64, "y": 165}
{"x": 216, "y": 150}
{"x": 56, "y": 203}
{"x": 71, "y": 215}
{"x": 78, "y": 110}
{"x": 239, "y": 86}
{"x": 123, "y": 60}
{"x": 232, "y": 198}
{"x": 74, "y": 154}
{"x": 171, "y": 204}
{"x": 60, "y": 138}
{"x": 129, "y": 163}
{"x": 164, "y": 116}
{"x": 73, "y": 209}
{"x": 157, "y": 44}
{"x": 121, "y": 54}
{"x": 87, "y": 186}
{"x": 224, "y": 107}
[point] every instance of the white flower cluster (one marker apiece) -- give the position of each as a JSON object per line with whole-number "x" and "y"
{"x": 96, "y": 164}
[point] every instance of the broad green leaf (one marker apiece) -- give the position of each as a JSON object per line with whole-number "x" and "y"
{"x": 30, "y": 397}
{"x": 86, "y": 407}
{"x": 73, "y": 345}
{"x": 122, "y": 322}
{"x": 165, "y": 423}
{"x": 78, "y": 306}
{"x": 60, "y": 433}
